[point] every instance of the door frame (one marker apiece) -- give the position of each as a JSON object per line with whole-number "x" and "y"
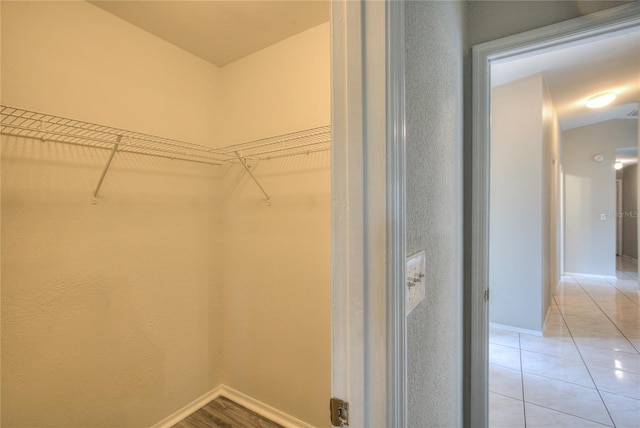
{"x": 619, "y": 218}
{"x": 566, "y": 33}
{"x": 368, "y": 211}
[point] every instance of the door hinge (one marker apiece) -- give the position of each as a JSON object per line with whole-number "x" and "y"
{"x": 486, "y": 295}
{"x": 339, "y": 412}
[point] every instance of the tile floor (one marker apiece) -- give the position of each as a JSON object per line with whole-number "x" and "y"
{"x": 584, "y": 371}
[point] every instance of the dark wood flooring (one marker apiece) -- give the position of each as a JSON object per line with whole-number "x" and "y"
{"x": 224, "y": 413}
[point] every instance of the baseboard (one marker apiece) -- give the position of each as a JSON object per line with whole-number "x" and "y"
{"x": 196, "y": 404}
{"x": 633, "y": 260}
{"x": 238, "y": 397}
{"x": 516, "y": 329}
{"x": 589, "y": 275}
{"x": 263, "y": 409}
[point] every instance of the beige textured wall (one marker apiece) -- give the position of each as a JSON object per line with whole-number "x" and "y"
{"x": 280, "y": 89}
{"x": 277, "y": 277}
{"x": 109, "y": 311}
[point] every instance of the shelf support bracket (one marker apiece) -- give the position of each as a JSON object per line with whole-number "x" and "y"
{"x": 246, "y": 167}
{"x": 104, "y": 171}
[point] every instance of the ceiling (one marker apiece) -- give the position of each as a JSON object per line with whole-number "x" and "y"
{"x": 577, "y": 72}
{"x": 221, "y": 31}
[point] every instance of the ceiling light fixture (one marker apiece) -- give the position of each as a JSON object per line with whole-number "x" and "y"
{"x": 618, "y": 165}
{"x": 601, "y": 100}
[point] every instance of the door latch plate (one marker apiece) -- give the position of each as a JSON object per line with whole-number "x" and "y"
{"x": 339, "y": 412}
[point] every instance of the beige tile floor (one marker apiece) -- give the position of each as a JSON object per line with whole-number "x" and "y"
{"x": 584, "y": 371}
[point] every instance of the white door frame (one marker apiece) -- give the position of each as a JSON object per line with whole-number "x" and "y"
{"x": 368, "y": 211}
{"x": 536, "y": 41}
{"x": 619, "y": 217}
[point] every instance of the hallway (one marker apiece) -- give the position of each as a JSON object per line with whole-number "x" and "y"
{"x": 585, "y": 371}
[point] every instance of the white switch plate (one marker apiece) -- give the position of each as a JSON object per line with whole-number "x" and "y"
{"x": 416, "y": 278}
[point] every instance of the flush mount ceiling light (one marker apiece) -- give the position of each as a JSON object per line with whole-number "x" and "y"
{"x": 598, "y": 157}
{"x": 618, "y": 165}
{"x": 601, "y": 100}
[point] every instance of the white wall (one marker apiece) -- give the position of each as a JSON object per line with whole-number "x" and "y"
{"x": 277, "y": 281}
{"x": 109, "y": 311}
{"x": 590, "y": 193}
{"x": 524, "y": 139}
{"x": 180, "y": 278}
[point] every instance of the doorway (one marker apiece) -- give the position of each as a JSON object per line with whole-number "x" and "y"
{"x": 572, "y": 32}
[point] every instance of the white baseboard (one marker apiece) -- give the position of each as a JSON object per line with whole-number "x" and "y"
{"x": 516, "y": 329}
{"x": 196, "y": 404}
{"x": 589, "y": 275}
{"x": 263, "y": 409}
{"x": 238, "y": 397}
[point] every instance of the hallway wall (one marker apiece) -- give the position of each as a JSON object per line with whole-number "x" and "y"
{"x": 524, "y": 157}
{"x": 590, "y": 198}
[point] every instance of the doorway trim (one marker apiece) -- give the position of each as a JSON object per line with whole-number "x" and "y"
{"x": 368, "y": 211}
{"x": 563, "y": 34}
{"x": 619, "y": 221}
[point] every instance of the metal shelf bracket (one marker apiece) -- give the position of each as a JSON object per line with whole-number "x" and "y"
{"x": 94, "y": 199}
{"x": 246, "y": 168}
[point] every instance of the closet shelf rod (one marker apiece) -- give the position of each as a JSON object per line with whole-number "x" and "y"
{"x": 104, "y": 171}
{"x": 244, "y": 164}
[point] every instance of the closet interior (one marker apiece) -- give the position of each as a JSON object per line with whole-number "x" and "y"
{"x": 165, "y": 220}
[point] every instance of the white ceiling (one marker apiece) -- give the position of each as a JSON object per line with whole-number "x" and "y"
{"x": 577, "y": 72}
{"x": 221, "y": 31}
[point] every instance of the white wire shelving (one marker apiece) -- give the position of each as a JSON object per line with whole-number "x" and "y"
{"x": 46, "y": 127}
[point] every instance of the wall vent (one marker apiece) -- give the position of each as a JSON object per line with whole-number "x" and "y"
{"x": 633, "y": 113}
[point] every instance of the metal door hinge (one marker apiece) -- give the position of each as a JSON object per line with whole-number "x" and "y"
{"x": 339, "y": 412}
{"x": 486, "y": 295}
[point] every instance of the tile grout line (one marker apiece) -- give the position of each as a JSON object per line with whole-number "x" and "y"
{"x": 604, "y": 313}
{"x": 524, "y": 402}
{"x": 582, "y": 357}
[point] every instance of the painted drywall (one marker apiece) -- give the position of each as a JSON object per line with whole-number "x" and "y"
{"x": 590, "y": 194}
{"x": 524, "y": 140}
{"x": 630, "y": 211}
{"x": 277, "y": 278}
{"x": 280, "y": 89}
{"x": 551, "y": 188}
{"x": 434, "y": 52}
{"x": 79, "y": 64}
{"x": 277, "y": 303}
{"x": 109, "y": 311}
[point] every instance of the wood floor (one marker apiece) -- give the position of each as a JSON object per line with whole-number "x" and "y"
{"x": 224, "y": 413}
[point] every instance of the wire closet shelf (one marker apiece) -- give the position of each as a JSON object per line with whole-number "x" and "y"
{"x": 46, "y": 127}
